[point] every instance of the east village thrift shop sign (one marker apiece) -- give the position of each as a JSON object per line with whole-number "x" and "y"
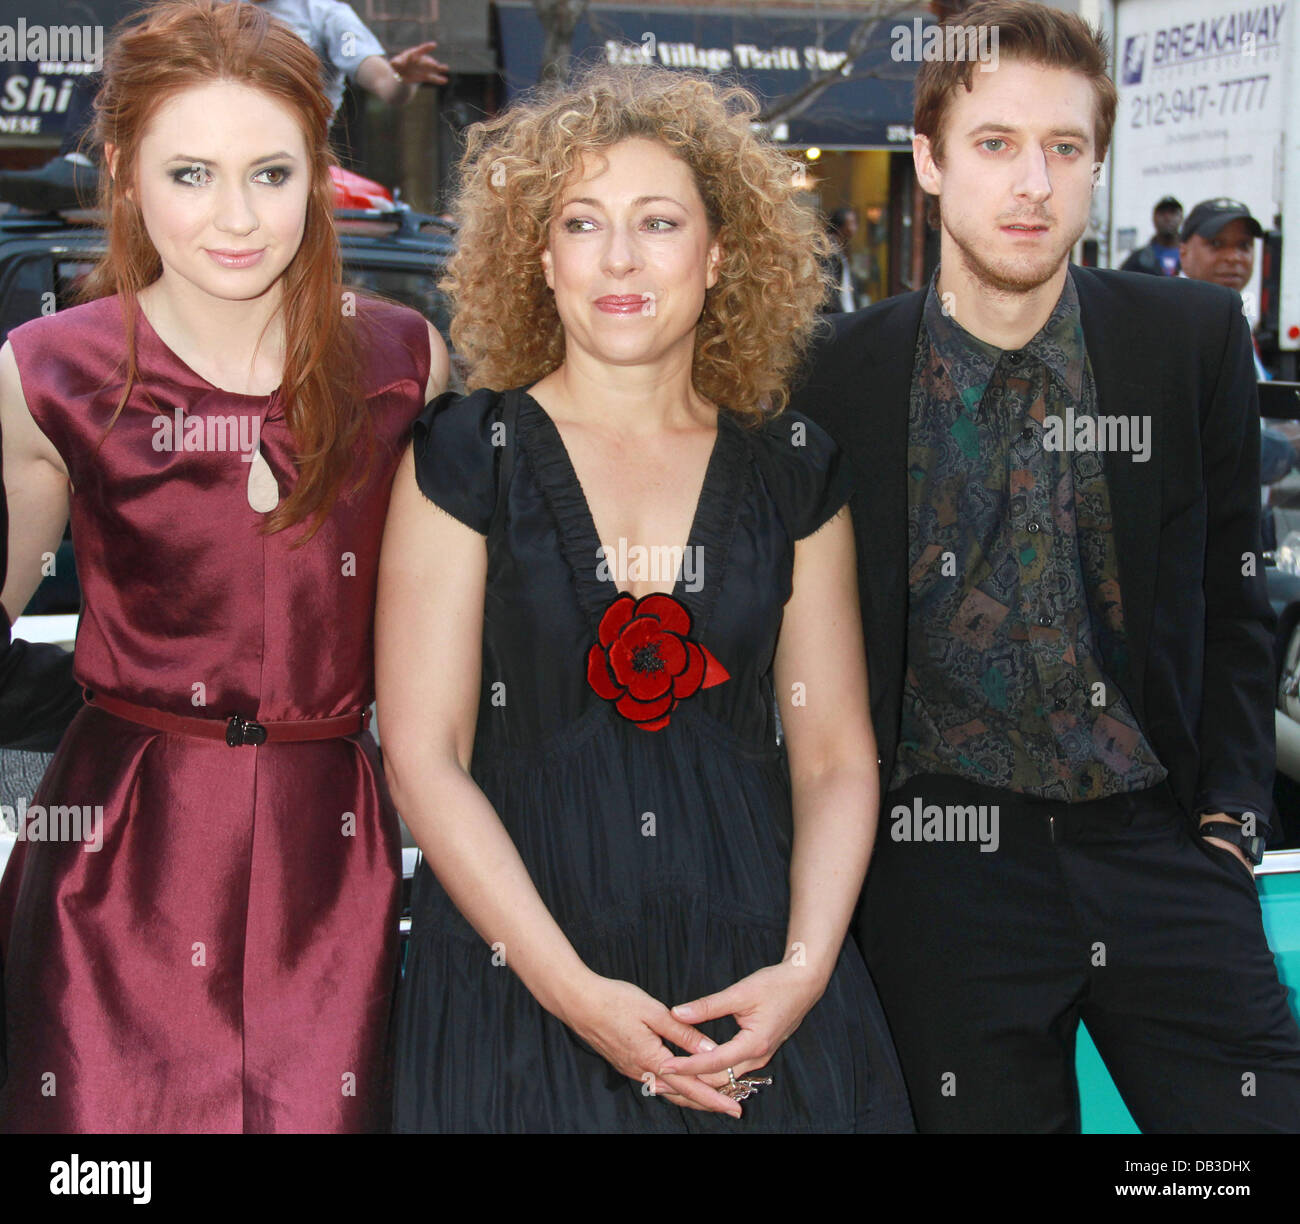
{"x": 774, "y": 53}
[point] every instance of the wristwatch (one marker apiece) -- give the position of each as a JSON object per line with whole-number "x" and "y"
{"x": 1251, "y": 847}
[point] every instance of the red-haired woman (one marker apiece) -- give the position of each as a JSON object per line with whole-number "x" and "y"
{"x": 209, "y": 945}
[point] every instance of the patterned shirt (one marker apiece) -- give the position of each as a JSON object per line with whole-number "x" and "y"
{"x": 1015, "y": 621}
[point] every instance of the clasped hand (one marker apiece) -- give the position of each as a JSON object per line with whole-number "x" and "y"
{"x": 629, "y": 1028}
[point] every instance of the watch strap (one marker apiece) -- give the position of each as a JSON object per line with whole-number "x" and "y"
{"x": 1251, "y": 847}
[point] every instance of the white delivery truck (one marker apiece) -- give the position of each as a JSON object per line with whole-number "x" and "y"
{"x": 1209, "y": 105}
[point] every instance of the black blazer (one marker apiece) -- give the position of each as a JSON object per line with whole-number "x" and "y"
{"x": 1186, "y": 522}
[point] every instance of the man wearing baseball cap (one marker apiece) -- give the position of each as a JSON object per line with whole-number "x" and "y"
{"x": 1218, "y": 243}
{"x": 1160, "y": 255}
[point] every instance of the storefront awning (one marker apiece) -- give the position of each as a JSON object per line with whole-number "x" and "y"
{"x": 45, "y": 57}
{"x": 773, "y": 52}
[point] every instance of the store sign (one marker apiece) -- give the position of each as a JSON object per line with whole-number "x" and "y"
{"x": 45, "y": 66}
{"x": 1201, "y": 110}
{"x": 869, "y": 102}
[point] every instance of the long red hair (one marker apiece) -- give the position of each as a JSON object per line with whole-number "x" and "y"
{"x": 174, "y": 45}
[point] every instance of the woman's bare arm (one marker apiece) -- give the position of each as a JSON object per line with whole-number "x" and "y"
{"x": 834, "y": 778}
{"x": 428, "y": 653}
{"x": 36, "y": 489}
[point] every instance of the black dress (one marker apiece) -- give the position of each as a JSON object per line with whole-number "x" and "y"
{"x": 663, "y": 854}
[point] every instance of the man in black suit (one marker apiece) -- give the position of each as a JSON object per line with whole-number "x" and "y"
{"x": 1068, "y": 635}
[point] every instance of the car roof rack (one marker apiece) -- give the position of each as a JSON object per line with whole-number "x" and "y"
{"x": 401, "y": 222}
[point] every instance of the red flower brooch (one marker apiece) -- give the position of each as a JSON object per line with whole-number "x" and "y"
{"x": 643, "y": 662}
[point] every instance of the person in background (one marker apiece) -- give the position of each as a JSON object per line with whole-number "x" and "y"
{"x": 1160, "y": 256}
{"x": 841, "y": 229}
{"x": 1218, "y": 245}
{"x": 347, "y": 48}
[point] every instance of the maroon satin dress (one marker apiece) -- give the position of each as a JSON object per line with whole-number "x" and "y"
{"x": 225, "y": 959}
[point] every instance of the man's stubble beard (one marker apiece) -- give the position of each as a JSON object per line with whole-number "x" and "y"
{"x": 1022, "y": 277}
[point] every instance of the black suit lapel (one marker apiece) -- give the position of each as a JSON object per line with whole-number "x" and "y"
{"x": 886, "y": 389}
{"x": 1108, "y": 329}
{"x": 877, "y": 353}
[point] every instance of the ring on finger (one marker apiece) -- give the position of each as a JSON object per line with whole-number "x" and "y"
{"x": 745, "y": 1086}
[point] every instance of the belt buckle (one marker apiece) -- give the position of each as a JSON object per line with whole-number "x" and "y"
{"x": 241, "y": 731}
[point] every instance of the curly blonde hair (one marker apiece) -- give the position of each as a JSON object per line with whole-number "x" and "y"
{"x": 760, "y": 315}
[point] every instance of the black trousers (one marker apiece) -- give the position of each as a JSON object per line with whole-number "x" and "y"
{"x": 1111, "y": 911}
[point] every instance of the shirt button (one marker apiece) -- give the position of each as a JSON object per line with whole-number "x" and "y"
{"x": 1027, "y": 433}
{"x": 1032, "y": 526}
{"x": 1061, "y": 703}
{"x": 1044, "y": 619}
{"x": 1014, "y": 358}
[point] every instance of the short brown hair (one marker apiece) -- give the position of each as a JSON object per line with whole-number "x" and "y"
{"x": 1030, "y": 32}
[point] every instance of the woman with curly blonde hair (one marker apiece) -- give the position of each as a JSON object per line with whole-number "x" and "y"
{"x": 597, "y": 566}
